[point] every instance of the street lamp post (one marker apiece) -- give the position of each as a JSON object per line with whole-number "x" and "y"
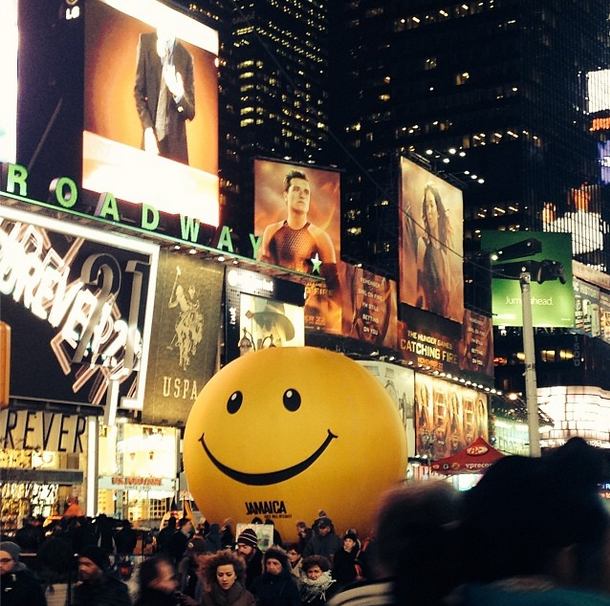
{"x": 531, "y": 395}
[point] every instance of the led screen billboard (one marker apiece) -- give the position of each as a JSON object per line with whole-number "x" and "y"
{"x": 151, "y": 109}
{"x": 184, "y": 340}
{"x": 431, "y": 249}
{"x": 369, "y": 306}
{"x": 102, "y": 101}
{"x": 9, "y": 41}
{"x": 548, "y": 259}
{"x": 79, "y": 303}
{"x": 261, "y": 312}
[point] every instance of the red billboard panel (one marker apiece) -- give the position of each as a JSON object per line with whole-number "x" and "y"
{"x": 431, "y": 249}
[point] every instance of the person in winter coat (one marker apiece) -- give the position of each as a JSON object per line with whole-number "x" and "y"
{"x": 277, "y": 585}
{"x": 247, "y": 547}
{"x": 224, "y": 574}
{"x": 95, "y": 586}
{"x": 325, "y": 541}
{"x": 157, "y": 583}
{"x": 345, "y": 562}
{"x": 18, "y": 585}
{"x": 317, "y": 584}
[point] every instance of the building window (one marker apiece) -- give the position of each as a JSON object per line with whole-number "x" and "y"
{"x": 430, "y": 63}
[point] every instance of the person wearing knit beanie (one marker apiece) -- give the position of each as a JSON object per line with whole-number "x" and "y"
{"x": 95, "y": 587}
{"x": 248, "y": 537}
{"x": 18, "y": 586}
{"x": 247, "y": 547}
{"x": 97, "y": 555}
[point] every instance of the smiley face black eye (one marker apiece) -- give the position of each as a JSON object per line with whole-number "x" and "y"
{"x": 234, "y": 402}
{"x": 292, "y": 400}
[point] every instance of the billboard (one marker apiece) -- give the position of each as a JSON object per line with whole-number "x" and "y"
{"x": 79, "y": 303}
{"x": 369, "y": 306}
{"x": 399, "y": 382}
{"x": 548, "y": 259}
{"x": 261, "y": 312}
{"x": 587, "y": 308}
{"x": 583, "y": 221}
{"x": 448, "y": 417}
{"x": 151, "y": 108}
{"x": 89, "y": 73}
{"x": 9, "y": 41}
{"x": 184, "y": 341}
{"x": 431, "y": 249}
{"x": 297, "y": 211}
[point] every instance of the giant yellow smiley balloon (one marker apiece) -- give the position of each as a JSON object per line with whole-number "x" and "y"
{"x": 284, "y": 432}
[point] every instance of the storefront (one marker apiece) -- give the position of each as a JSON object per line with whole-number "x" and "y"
{"x": 43, "y": 461}
{"x": 137, "y": 471}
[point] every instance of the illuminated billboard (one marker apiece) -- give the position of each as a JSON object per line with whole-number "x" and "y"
{"x": 548, "y": 259}
{"x": 184, "y": 340}
{"x": 297, "y": 211}
{"x": 399, "y": 382}
{"x": 79, "y": 303}
{"x": 598, "y": 90}
{"x": 9, "y": 40}
{"x": 103, "y": 101}
{"x": 431, "y": 249}
{"x": 448, "y": 417}
{"x": 369, "y": 306}
{"x": 150, "y": 107}
{"x": 261, "y": 312}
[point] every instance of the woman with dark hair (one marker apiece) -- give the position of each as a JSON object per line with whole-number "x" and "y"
{"x": 432, "y": 253}
{"x": 317, "y": 585}
{"x": 157, "y": 583}
{"x": 224, "y": 576}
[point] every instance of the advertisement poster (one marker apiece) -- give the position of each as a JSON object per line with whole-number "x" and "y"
{"x": 587, "y": 308}
{"x": 369, "y": 306}
{"x": 604, "y": 316}
{"x": 268, "y": 323}
{"x": 448, "y": 417}
{"x": 184, "y": 342}
{"x": 297, "y": 214}
{"x": 79, "y": 303}
{"x": 261, "y": 312}
{"x": 431, "y": 249}
{"x": 425, "y": 341}
{"x": 399, "y": 382}
{"x": 477, "y": 348}
{"x": 548, "y": 259}
{"x": 151, "y": 107}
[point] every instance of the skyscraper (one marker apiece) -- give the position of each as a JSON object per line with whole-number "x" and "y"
{"x": 508, "y": 99}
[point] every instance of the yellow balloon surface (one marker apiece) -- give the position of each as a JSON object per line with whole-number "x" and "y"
{"x": 284, "y": 432}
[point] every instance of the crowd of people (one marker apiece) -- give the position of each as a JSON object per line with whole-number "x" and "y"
{"x": 531, "y": 532}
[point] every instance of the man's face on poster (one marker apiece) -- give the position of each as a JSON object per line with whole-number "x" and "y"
{"x": 298, "y": 195}
{"x": 271, "y": 333}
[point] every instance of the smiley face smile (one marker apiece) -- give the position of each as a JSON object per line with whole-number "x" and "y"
{"x": 272, "y": 477}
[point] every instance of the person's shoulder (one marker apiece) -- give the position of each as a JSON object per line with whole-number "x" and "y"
{"x": 273, "y": 227}
{"x": 364, "y": 593}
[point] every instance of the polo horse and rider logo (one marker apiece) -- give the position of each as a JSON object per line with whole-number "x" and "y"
{"x": 188, "y": 329}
